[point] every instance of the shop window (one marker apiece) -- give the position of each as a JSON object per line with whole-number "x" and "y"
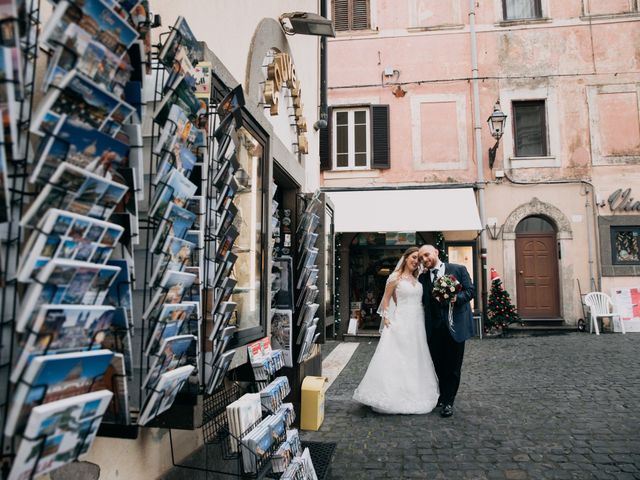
{"x": 625, "y": 245}
{"x": 530, "y": 128}
{"x": 521, "y": 9}
{"x": 249, "y": 223}
{"x": 351, "y": 15}
{"x": 464, "y": 254}
{"x": 356, "y": 138}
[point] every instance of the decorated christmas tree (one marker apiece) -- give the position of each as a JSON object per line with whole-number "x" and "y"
{"x": 501, "y": 312}
{"x": 438, "y": 239}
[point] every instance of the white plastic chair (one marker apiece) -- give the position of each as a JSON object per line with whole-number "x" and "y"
{"x": 600, "y": 305}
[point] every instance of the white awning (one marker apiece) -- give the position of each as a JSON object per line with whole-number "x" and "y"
{"x": 424, "y": 210}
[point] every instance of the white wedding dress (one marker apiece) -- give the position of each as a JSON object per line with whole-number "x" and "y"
{"x": 401, "y": 377}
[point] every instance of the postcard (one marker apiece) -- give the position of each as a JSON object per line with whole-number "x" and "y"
{"x": 281, "y": 334}
{"x": 77, "y": 50}
{"x": 74, "y": 189}
{"x": 180, "y": 36}
{"x": 115, "y": 381}
{"x": 182, "y": 67}
{"x": 67, "y": 235}
{"x": 182, "y": 95}
{"x": 163, "y": 396}
{"x": 74, "y": 142}
{"x": 170, "y": 323}
{"x": 64, "y": 281}
{"x": 54, "y": 377}
{"x": 220, "y": 343}
{"x": 176, "y": 255}
{"x": 118, "y": 339}
{"x": 219, "y": 370}
{"x": 176, "y": 222}
{"x": 5, "y": 197}
{"x": 110, "y": 29}
{"x": 282, "y": 292}
{"x": 7, "y": 104}
{"x": 120, "y": 291}
{"x": 226, "y": 242}
{"x": 83, "y": 101}
{"x": 225, "y": 219}
{"x": 178, "y": 157}
{"x": 9, "y": 17}
{"x": 177, "y": 128}
{"x": 226, "y": 193}
{"x": 171, "y": 289}
{"x": 230, "y": 107}
{"x": 61, "y": 329}
{"x": 223, "y": 293}
{"x": 174, "y": 188}
{"x": 171, "y": 355}
{"x": 203, "y": 80}
{"x": 195, "y": 204}
{"x": 224, "y": 267}
{"x": 68, "y": 428}
{"x": 133, "y": 131}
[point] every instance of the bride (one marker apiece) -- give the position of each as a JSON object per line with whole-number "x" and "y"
{"x": 401, "y": 377}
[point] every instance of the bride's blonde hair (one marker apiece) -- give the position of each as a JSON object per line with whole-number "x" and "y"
{"x": 400, "y": 268}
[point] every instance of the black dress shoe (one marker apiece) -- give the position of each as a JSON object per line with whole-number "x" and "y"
{"x": 447, "y": 410}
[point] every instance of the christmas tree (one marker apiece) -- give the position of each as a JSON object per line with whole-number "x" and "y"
{"x": 438, "y": 239}
{"x": 501, "y": 312}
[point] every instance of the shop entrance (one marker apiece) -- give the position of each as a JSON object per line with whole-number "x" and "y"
{"x": 537, "y": 269}
{"x": 373, "y": 256}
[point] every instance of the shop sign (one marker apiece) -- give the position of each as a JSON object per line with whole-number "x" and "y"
{"x": 622, "y": 201}
{"x": 281, "y": 73}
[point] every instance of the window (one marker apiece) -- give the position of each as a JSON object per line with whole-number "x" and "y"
{"x": 530, "y": 128}
{"x": 351, "y": 138}
{"x": 356, "y": 138}
{"x": 625, "y": 245}
{"x": 351, "y": 15}
{"x": 521, "y": 9}
{"x": 535, "y": 224}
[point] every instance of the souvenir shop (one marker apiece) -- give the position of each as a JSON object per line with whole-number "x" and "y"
{"x": 167, "y": 269}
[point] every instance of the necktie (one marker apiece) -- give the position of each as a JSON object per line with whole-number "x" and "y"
{"x": 434, "y": 275}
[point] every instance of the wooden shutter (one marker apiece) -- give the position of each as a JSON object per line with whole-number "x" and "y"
{"x": 360, "y": 15}
{"x": 341, "y": 14}
{"x": 380, "y": 157}
{"x": 324, "y": 141}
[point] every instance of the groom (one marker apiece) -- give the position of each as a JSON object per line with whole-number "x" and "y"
{"x": 446, "y": 342}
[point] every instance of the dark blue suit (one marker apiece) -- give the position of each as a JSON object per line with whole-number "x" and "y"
{"x": 445, "y": 343}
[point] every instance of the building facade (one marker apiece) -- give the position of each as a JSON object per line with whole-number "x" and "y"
{"x": 411, "y": 85}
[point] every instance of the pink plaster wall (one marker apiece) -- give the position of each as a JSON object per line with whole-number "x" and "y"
{"x": 566, "y": 54}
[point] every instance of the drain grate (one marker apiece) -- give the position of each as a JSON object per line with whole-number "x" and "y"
{"x": 321, "y": 456}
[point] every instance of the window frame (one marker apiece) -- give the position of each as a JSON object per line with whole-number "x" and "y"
{"x": 351, "y": 110}
{"x": 544, "y": 127}
{"x": 537, "y": 7}
{"x": 350, "y": 17}
{"x": 613, "y": 230}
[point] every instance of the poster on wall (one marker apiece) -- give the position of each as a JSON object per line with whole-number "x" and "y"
{"x": 627, "y": 302}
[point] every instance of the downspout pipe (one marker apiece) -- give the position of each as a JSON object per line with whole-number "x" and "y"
{"x": 323, "y": 68}
{"x": 477, "y": 128}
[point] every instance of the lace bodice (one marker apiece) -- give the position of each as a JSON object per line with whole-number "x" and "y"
{"x": 409, "y": 293}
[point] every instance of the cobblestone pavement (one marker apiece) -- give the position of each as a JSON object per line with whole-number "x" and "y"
{"x": 553, "y": 407}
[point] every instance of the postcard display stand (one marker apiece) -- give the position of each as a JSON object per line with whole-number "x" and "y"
{"x": 70, "y": 169}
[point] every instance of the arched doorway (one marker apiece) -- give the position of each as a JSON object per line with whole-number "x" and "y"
{"x": 537, "y": 268}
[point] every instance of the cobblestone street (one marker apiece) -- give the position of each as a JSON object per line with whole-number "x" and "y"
{"x": 556, "y": 407}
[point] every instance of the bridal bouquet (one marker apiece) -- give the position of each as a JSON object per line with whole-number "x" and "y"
{"x": 445, "y": 289}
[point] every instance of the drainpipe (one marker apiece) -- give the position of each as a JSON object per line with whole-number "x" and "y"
{"x": 477, "y": 128}
{"x": 323, "y": 68}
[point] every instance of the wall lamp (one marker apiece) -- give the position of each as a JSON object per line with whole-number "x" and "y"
{"x": 306, "y": 23}
{"x": 496, "y": 127}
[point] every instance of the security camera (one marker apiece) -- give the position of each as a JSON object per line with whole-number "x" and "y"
{"x": 322, "y": 123}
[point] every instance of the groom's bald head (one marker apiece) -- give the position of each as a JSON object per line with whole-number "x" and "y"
{"x": 428, "y": 255}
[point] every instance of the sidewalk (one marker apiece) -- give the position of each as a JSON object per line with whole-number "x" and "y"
{"x": 556, "y": 407}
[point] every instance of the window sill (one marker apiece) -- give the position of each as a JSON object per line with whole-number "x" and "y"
{"x": 342, "y": 174}
{"x": 355, "y": 33}
{"x": 609, "y": 16}
{"x": 451, "y": 26}
{"x": 523, "y": 21}
{"x": 533, "y": 162}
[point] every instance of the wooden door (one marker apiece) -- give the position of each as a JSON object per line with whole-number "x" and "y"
{"x": 537, "y": 274}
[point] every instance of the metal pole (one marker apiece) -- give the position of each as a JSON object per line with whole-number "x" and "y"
{"x": 477, "y": 127}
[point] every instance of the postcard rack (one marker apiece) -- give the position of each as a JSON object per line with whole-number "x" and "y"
{"x": 15, "y": 196}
